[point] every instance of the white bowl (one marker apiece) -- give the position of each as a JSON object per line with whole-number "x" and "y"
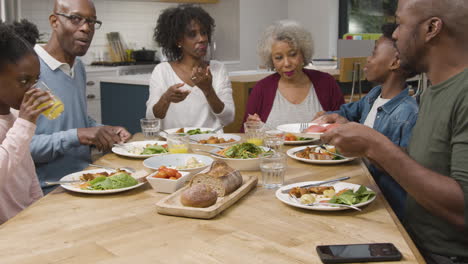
{"x": 240, "y": 164}
{"x": 166, "y": 185}
{"x": 195, "y": 138}
{"x": 174, "y": 160}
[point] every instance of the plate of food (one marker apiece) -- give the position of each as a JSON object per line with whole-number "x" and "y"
{"x": 188, "y": 162}
{"x": 100, "y": 181}
{"x": 210, "y": 141}
{"x": 329, "y": 197}
{"x": 187, "y": 130}
{"x": 291, "y": 139}
{"x": 141, "y": 149}
{"x": 312, "y": 130}
{"x": 244, "y": 156}
{"x": 318, "y": 154}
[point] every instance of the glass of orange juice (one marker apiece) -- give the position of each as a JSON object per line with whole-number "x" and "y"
{"x": 254, "y": 132}
{"x": 57, "y": 107}
{"x": 178, "y": 143}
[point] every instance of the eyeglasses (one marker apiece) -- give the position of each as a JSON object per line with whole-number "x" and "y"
{"x": 78, "y": 20}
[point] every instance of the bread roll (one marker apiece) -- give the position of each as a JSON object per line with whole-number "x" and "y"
{"x": 199, "y": 195}
{"x": 222, "y": 178}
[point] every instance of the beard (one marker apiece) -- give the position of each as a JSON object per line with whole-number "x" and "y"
{"x": 412, "y": 56}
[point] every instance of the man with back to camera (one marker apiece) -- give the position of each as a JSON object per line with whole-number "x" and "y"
{"x": 62, "y": 146}
{"x": 432, "y": 37}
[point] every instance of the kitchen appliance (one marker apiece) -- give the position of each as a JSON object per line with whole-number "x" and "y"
{"x": 144, "y": 55}
{"x": 10, "y": 10}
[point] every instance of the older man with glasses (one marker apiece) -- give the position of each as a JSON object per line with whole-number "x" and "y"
{"x": 62, "y": 146}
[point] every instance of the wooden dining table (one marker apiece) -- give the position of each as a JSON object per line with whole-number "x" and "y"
{"x": 68, "y": 227}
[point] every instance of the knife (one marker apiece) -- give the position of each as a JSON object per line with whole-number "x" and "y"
{"x": 316, "y": 184}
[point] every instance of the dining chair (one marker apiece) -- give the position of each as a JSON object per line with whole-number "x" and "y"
{"x": 351, "y": 70}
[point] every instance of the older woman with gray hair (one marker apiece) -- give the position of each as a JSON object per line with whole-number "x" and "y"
{"x": 292, "y": 94}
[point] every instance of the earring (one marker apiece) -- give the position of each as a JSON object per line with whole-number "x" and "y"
{"x": 179, "y": 46}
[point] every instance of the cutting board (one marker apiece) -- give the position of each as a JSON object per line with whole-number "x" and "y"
{"x": 171, "y": 204}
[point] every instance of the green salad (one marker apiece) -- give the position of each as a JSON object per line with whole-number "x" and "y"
{"x": 117, "y": 181}
{"x": 154, "y": 149}
{"x": 197, "y": 131}
{"x": 242, "y": 151}
{"x": 350, "y": 197}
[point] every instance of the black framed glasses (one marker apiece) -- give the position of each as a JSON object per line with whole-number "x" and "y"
{"x": 78, "y": 20}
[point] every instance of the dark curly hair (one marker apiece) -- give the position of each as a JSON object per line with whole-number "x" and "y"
{"x": 16, "y": 41}
{"x": 172, "y": 25}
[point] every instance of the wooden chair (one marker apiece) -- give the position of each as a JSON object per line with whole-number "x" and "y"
{"x": 351, "y": 70}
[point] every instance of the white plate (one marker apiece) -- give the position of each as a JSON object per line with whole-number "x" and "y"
{"x": 174, "y": 160}
{"x": 285, "y": 198}
{"x": 139, "y": 144}
{"x": 296, "y": 130}
{"x": 76, "y": 176}
{"x": 291, "y": 154}
{"x": 173, "y": 130}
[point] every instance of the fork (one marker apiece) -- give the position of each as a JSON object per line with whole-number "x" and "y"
{"x": 303, "y": 127}
{"x": 217, "y": 129}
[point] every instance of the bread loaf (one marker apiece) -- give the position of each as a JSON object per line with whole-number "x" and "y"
{"x": 199, "y": 195}
{"x": 222, "y": 178}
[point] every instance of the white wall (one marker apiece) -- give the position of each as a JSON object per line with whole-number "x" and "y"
{"x": 255, "y": 16}
{"x": 321, "y": 18}
{"x": 136, "y": 20}
{"x": 238, "y": 24}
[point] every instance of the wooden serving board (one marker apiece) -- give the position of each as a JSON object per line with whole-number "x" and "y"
{"x": 171, "y": 204}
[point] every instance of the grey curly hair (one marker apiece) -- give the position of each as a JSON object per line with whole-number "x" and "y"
{"x": 289, "y": 31}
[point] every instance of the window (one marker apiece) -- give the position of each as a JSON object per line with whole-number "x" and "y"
{"x": 365, "y": 16}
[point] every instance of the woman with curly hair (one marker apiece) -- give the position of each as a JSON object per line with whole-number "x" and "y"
{"x": 292, "y": 94}
{"x": 187, "y": 90}
{"x": 19, "y": 71}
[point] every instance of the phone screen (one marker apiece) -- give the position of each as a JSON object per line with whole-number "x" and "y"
{"x": 358, "y": 252}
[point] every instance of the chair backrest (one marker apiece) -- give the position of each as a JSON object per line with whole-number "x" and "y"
{"x": 347, "y": 66}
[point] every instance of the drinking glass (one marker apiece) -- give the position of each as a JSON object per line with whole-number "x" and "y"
{"x": 178, "y": 143}
{"x": 150, "y": 127}
{"x": 254, "y": 132}
{"x": 273, "y": 167}
{"x": 274, "y": 139}
{"x": 57, "y": 107}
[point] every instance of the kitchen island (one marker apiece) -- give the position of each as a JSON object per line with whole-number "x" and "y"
{"x": 66, "y": 227}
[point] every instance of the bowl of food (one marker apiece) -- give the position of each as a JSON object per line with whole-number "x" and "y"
{"x": 167, "y": 180}
{"x": 244, "y": 156}
{"x": 189, "y": 162}
{"x": 210, "y": 141}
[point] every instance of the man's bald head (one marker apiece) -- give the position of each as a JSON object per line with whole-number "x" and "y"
{"x": 65, "y": 6}
{"x": 453, "y": 13}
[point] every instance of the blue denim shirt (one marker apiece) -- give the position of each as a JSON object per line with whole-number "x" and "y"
{"x": 395, "y": 119}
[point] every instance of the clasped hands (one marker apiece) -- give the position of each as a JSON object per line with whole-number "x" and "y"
{"x": 103, "y": 137}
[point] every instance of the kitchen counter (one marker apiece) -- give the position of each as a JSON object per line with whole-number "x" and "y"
{"x": 136, "y": 79}
{"x": 67, "y": 227}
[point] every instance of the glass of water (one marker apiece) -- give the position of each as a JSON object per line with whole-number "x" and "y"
{"x": 150, "y": 127}
{"x": 273, "y": 167}
{"x": 274, "y": 139}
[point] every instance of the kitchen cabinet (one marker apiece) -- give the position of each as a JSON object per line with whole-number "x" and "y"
{"x": 124, "y": 104}
{"x": 93, "y": 93}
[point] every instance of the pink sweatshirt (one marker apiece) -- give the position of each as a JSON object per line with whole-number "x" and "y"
{"x": 19, "y": 186}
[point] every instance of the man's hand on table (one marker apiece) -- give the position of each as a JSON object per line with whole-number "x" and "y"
{"x": 103, "y": 137}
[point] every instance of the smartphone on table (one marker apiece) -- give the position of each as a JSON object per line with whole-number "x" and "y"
{"x": 358, "y": 253}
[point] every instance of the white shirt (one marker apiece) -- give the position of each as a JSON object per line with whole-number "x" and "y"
{"x": 54, "y": 63}
{"x": 194, "y": 111}
{"x": 285, "y": 112}
{"x": 370, "y": 119}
